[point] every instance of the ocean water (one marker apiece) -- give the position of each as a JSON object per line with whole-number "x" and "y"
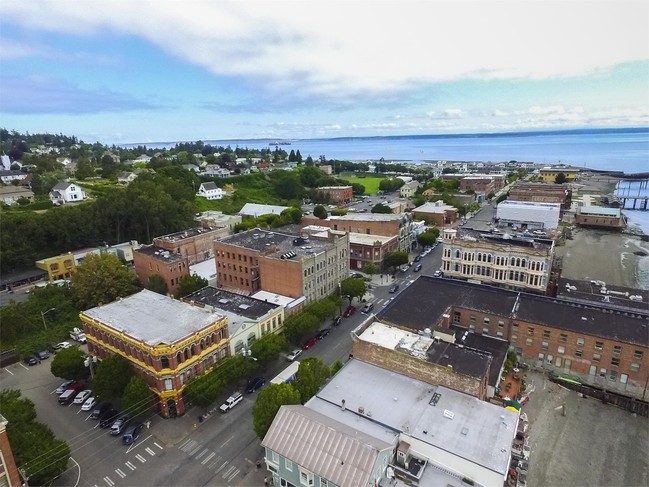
{"x": 605, "y": 149}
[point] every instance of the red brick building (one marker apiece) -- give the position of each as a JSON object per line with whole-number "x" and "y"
{"x": 336, "y": 194}
{"x": 9, "y": 475}
{"x": 437, "y": 213}
{"x": 542, "y": 193}
{"x": 197, "y": 244}
{"x": 479, "y": 184}
{"x": 166, "y": 341}
{"x": 152, "y": 260}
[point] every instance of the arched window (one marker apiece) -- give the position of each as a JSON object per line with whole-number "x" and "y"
{"x": 164, "y": 362}
{"x": 251, "y": 338}
{"x": 186, "y": 354}
{"x": 179, "y": 357}
{"x": 194, "y": 352}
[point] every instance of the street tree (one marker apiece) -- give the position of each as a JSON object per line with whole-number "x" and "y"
{"x": 267, "y": 404}
{"x": 190, "y": 284}
{"x": 395, "y": 259}
{"x": 428, "y": 237}
{"x": 111, "y": 377}
{"x": 320, "y": 212}
{"x": 323, "y": 309}
{"x": 299, "y": 326}
{"x": 136, "y": 399}
{"x": 353, "y": 288}
{"x": 157, "y": 284}
{"x": 336, "y": 366}
{"x": 293, "y": 214}
{"x": 101, "y": 278}
{"x": 69, "y": 364}
{"x": 268, "y": 348}
{"x": 560, "y": 178}
{"x": 369, "y": 268}
{"x": 381, "y": 208}
{"x": 311, "y": 374}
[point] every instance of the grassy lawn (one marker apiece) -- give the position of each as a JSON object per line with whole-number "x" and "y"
{"x": 371, "y": 183}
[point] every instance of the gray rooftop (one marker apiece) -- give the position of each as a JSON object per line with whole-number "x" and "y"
{"x": 184, "y": 234}
{"x": 504, "y": 239}
{"x": 324, "y": 446}
{"x": 153, "y": 318}
{"x": 235, "y": 303}
{"x": 278, "y": 244}
{"x": 255, "y": 209}
{"x": 163, "y": 255}
{"x": 375, "y": 217}
{"x": 475, "y": 430}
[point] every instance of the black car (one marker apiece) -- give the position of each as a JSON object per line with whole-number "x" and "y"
{"x": 254, "y": 384}
{"x": 31, "y": 360}
{"x": 108, "y": 418}
{"x": 394, "y": 288}
{"x": 131, "y": 433}
{"x": 337, "y": 320}
{"x": 100, "y": 409}
{"x": 418, "y": 258}
{"x": 43, "y": 355}
{"x": 358, "y": 275}
{"x": 322, "y": 333}
{"x": 417, "y": 268}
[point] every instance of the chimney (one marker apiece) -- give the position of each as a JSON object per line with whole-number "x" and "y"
{"x": 342, "y": 405}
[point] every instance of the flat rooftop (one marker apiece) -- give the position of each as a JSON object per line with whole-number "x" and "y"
{"x": 365, "y": 217}
{"x": 161, "y": 254}
{"x": 153, "y": 318}
{"x": 496, "y": 347}
{"x": 185, "y": 234}
{"x": 433, "y": 208}
{"x": 527, "y": 204}
{"x": 601, "y": 293}
{"x": 256, "y": 209}
{"x": 232, "y": 302}
{"x": 475, "y": 430}
{"x": 504, "y": 239}
{"x": 277, "y": 244}
{"x": 364, "y": 239}
{"x": 599, "y": 211}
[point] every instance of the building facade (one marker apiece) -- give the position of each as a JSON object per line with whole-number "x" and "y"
{"x": 529, "y": 214}
{"x": 479, "y": 184}
{"x": 542, "y": 193}
{"x": 336, "y": 194}
{"x": 286, "y": 264}
{"x": 437, "y": 213}
{"x": 9, "y": 475}
{"x": 196, "y": 244}
{"x": 498, "y": 259}
{"x": 549, "y": 174}
{"x": 210, "y": 191}
{"x": 151, "y": 260}
{"x": 600, "y": 217}
{"x": 166, "y": 341}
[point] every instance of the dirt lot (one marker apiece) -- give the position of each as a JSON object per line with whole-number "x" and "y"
{"x": 594, "y": 444}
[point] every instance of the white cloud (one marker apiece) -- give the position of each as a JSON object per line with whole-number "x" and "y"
{"x": 341, "y": 48}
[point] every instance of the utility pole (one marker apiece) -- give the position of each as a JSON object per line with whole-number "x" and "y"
{"x": 22, "y": 473}
{"x": 43, "y": 313}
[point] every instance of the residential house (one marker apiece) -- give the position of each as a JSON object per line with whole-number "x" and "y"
{"x": 210, "y": 191}
{"x": 67, "y": 193}
{"x": 408, "y": 189}
{"x": 126, "y": 177}
{"x": 10, "y": 195}
{"x": 216, "y": 171}
{"x": 10, "y": 175}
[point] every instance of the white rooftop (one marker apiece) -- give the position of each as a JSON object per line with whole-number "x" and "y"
{"x": 205, "y": 269}
{"x": 434, "y": 207}
{"x": 254, "y": 209}
{"x": 368, "y": 217}
{"x": 364, "y": 239}
{"x": 153, "y": 318}
{"x": 390, "y": 337}
{"x": 477, "y": 431}
{"x": 276, "y": 298}
{"x": 527, "y": 204}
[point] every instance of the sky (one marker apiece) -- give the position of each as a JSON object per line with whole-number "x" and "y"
{"x": 127, "y": 71}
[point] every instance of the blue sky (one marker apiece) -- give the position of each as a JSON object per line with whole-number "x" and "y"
{"x": 120, "y": 71}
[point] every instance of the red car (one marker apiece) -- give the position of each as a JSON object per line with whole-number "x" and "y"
{"x": 349, "y": 311}
{"x": 309, "y": 343}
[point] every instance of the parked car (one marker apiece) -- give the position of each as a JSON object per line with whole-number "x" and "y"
{"x": 62, "y": 345}
{"x": 367, "y": 308}
{"x": 294, "y": 355}
{"x": 89, "y": 404}
{"x": 108, "y": 417}
{"x": 70, "y": 393}
{"x": 31, "y": 360}
{"x": 42, "y": 355}
{"x": 357, "y": 275}
{"x": 404, "y": 267}
{"x": 131, "y": 433}
{"x": 61, "y": 389}
{"x": 119, "y": 424}
{"x": 337, "y": 320}
{"x": 393, "y": 289}
{"x": 438, "y": 273}
{"x": 322, "y": 333}
{"x": 309, "y": 343}
{"x": 100, "y": 409}
{"x": 82, "y": 396}
{"x": 418, "y": 258}
{"x": 230, "y": 402}
{"x": 417, "y": 268}
{"x": 254, "y": 384}
{"x": 349, "y": 311}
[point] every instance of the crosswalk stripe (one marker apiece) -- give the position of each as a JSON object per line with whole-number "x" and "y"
{"x": 189, "y": 445}
{"x": 228, "y": 471}
{"x": 234, "y": 474}
{"x": 158, "y": 445}
{"x": 183, "y": 445}
{"x": 108, "y": 481}
{"x": 130, "y": 465}
{"x": 140, "y": 458}
{"x": 208, "y": 458}
{"x": 193, "y": 452}
{"x": 120, "y": 473}
{"x": 221, "y": 467}
{"x": 201, "y": 454}
{"x": 215, "y": 462}
{"x": 150, "y": 451}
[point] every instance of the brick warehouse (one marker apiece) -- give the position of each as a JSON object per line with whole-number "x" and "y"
{"x": 166, "y": 341}
{"x": 601, "y": 345}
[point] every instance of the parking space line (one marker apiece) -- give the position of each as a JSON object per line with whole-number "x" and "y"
{"x": 140, "y": 458}
{"x": 108, "y": 481}
{"x": 233, "y": 475}
{"x": 201, "y": 454}
{"x": 208, "y": 458}
{"x": 7, "y": 370}
{"x": 227, "y": 441}
{"x": 158, "y": 445}
{"x": 150, "y": 451}
{"x": 120, "y": 473}
{"x": 130, "y": 465}
{"x": 26, "y": 368}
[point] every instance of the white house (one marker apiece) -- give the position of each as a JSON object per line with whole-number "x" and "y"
{"x": 5, "y": 162}
{"x": 12, "y": 175}
{"x": 210, "y": 191}
{"x": 214, "y": 170}
{"x": 67, "y": 193}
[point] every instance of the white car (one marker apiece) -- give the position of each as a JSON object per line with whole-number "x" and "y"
{"x": 230, "y": 402}
{"x": 294, "y": 355}
{"x": 62, "y": 345}
{"x": 82, "y": 396}
{"x": 89, "y": 404}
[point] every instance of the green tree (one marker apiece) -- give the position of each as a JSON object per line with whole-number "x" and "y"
{"x": 395, "y": 259}
{"x": 310, "y": 176}
{"x": 358, "y": 189}
{"x": 298, "y": 157}
{"x": 268, "y": 348}
{"x": 157, "y": 284}
{"x": 111, "y": 377}
{"x": 287, "y": 185}
{"x": 311, "y": 374}
{"x": 69, "y": 364}
{"x": 84, "y": 169}
{"x": 299, "y": 326}
{"x": 323, "y": 308}
{"x": 267, "y": 404}
{"x": 190, "y": 284}
{"x": 428, "y": 237}
{"x": 560, "y": 178}
{"x": 369, "y": 268}
{"x": 353, "y": 288}
{"x": 381, "y": 208}
{"x": 101, "y": 278}
{"x": 108, "y": 165}
{"x": 320, "y": 212}
{"x": 293, "y": 215}
{"x": 502, "y": 197}
{"x": 309, "y": 161}
{"x": 291, "y": 156}
{"x": 391, "y": 184}
{"x": 136, "y": 399}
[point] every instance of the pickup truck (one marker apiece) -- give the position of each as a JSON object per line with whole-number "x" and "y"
{"x": 230, "y": 402}
{"x": 78, "y": 335}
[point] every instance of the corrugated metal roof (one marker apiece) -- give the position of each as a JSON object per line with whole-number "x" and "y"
{"x": 326, "y": 447}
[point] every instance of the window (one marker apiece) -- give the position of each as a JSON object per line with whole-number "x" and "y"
{"x": 514, "y": 338}
{"x": 288, "y": 464}
{"x": 635, "y": 367}
{"x": 578, "y": 353}
{"x": 499, "y": 333}
{"x": 546, "y": 333}
{"x": 544, "y": 345}
{"x": 485, "y": 331}
{"x": 637, "y": 355}
{"x": 486, "y": 321}
{"x": 563, "y": 338}
{"x": 472, "y": 318}
{"x": 561, "y": 349}
{"x": 324, "y": 483}
{"x": 274, "y": 456}
{"x": 580, "y": 341}
{"x": 515, "y": 326}
{"x": 613, "y": 376}
{"x": 596, "y": 357}
{"x": 623, "y": 378}
{"x": 617, "y": 349}
{"x": 599, "y": 345}
{"x": 501, "y": 324}
{"x": 530, "y": 331}
{"x": 602, "y": 372}
{"x": 306, "y": 477}
{"x": 529, "y": 342}
{"x": 615, "y": 361}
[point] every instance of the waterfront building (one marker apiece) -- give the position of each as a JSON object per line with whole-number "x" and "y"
{"x": 528, "y": 215}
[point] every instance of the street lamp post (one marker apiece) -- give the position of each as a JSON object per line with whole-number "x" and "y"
{"x": 43, "y": 313}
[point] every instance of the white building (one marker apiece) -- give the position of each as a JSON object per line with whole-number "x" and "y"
{"x": 210, "y": 191}
{"x": 254, "y": 210}
{"x": 67, "y": 193}
{"x": 531, "y": 214}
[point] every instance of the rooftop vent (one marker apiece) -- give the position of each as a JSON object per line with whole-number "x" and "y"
{"x": 361, "y": 410}
{"x": 224, "y": 301}
{"x": 464, "y": 431}
{"x": 244, "y": 306}
{"x": 449, "y": 414}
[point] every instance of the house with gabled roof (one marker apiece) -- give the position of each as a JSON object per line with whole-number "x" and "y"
{"x": 65, "y": 192}
{"x": 210, "y": 191}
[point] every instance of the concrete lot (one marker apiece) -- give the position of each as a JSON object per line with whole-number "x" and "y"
{"x": 594, "y": 444}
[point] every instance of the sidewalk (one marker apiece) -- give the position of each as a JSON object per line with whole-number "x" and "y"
{"x": 173, "y": 431}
